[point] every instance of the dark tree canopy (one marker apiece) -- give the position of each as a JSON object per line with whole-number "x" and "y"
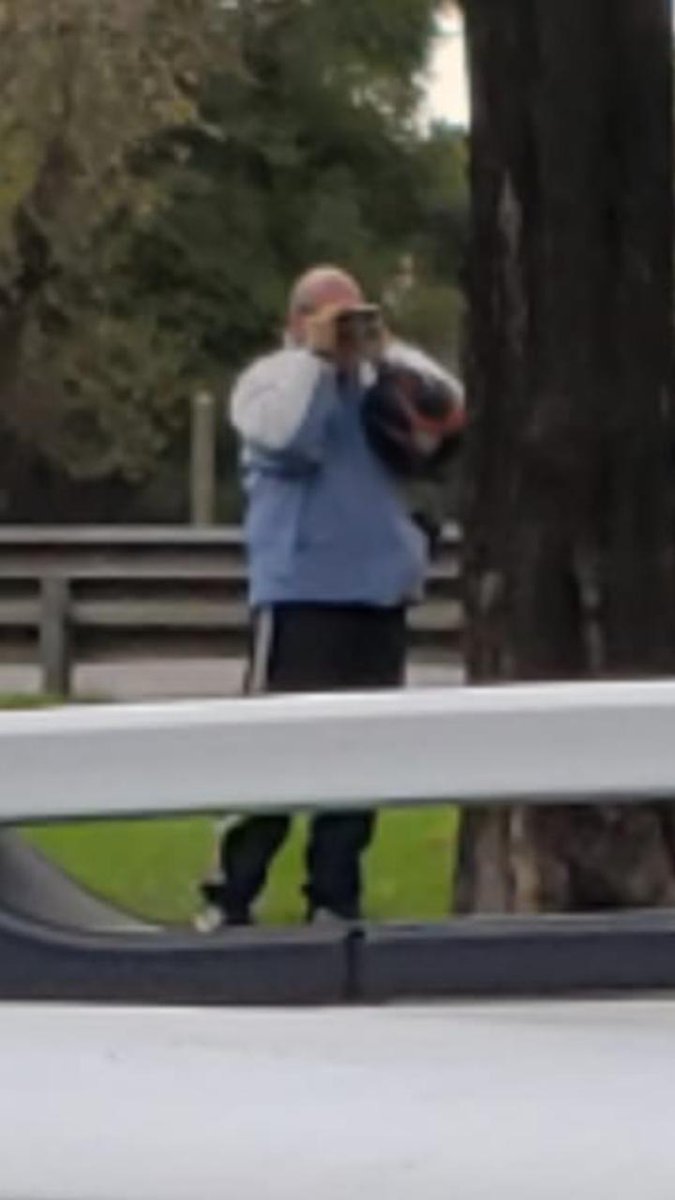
{"x": 233, "y": 145}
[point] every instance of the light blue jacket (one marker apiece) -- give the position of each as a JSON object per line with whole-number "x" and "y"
{"x": 326, "y": 523}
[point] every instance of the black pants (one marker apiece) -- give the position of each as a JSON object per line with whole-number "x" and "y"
{"x": 313, "y": 648}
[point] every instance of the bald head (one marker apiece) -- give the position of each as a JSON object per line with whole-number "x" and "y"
{"x": 319, "y": 288}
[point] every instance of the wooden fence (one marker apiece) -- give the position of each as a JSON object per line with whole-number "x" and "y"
{"x": 113, "y": 593}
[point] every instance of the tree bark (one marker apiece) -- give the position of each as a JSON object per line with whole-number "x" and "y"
{"x": 569, "y": 510}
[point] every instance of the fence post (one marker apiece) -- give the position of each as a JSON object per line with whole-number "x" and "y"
{"x": 55, "y": 635}
{"x": 203, "y": 460}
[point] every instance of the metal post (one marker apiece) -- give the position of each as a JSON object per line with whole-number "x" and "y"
{"x": 55, "y": 635}
{"x": 203, "y": 460}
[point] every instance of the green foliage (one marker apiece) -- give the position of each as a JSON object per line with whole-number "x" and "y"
{"x": 85, "y": 87}
{"x": 170, "y": 165}
{"x": 311, "y": 153}
{"x": 119, "y": 401}
{"x": 431, "y": 313}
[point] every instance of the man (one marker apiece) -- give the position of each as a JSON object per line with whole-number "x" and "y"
{"x": 334, "y": 558}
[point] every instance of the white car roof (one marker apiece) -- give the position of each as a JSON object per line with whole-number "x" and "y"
{"x": 530, "y": 1101}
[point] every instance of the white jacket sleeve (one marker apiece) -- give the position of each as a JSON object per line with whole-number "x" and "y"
{"x": 282, "y": 404}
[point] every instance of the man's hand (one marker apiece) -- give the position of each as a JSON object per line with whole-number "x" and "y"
{"x": 346, "y": 334}
{"x": 321, "y": 330}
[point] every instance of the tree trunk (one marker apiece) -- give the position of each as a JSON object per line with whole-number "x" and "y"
{"x": 569, "y": 507}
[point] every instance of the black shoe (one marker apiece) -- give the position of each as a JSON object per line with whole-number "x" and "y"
{"x": 215, "y": 914}
{"x": 320, "y": 915}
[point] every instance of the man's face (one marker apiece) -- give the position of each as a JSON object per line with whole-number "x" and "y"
{"x": 332, "y": 294}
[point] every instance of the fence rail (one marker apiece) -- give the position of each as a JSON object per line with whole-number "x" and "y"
{"x": 111, "y": 593}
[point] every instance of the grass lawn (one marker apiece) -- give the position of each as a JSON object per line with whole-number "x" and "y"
{"x": 151, "y": 867}
{"x": 21, "y": 700}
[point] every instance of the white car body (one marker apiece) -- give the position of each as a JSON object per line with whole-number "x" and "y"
{"x": 531, "y": 1100}
{"x": 556, "y": 1101}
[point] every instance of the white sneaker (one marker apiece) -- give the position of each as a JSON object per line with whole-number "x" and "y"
{"x": 210, "y": 919}
{"x": 325, "y": 918}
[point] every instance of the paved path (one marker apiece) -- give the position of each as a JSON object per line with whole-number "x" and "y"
{"x": 173, "y": 679}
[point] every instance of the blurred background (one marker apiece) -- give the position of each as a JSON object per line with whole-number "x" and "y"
{"x": 168, "y": 168}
